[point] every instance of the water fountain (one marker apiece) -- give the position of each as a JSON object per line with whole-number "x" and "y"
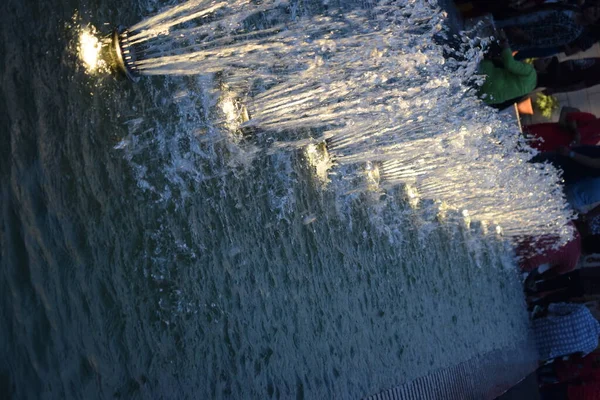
{"x": 156, "y": 252}
{"x": 373, "y": 84}
{"x": 222, "y": 35}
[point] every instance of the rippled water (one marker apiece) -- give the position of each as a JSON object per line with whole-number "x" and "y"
{"x": 147, "y": 252}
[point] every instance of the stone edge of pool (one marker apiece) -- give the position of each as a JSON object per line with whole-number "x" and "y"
{"x": 485, "y": 376}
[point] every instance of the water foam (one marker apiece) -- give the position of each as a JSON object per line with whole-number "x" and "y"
{"x": 377, "y": 87}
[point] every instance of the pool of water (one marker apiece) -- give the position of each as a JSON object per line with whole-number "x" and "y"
{"x": 148, "y": 253}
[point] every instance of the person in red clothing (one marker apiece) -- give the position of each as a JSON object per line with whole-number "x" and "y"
{"x": 574, "y": 368}
{"x": 578, "y": 368}
{"x": 535, "y": 252}
{"x": 573, "y": 128}
{"x": 574, "y": 378}
{"x": 584, "y": 391}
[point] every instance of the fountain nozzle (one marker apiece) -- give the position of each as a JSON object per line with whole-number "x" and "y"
{"x": 121, "y": 55}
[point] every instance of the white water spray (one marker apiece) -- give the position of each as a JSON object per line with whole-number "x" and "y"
{"x": 378, "y": 87}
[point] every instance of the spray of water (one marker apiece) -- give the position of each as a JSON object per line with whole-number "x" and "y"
{"x": 205, "y": 37}
{"x": 391, "y": 96}
{"x": 380, "y": 89}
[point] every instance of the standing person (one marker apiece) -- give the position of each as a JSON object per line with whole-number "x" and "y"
{"x": 512, "y": 80}
{"x": 573, "y": 128}
{"x": 582, "y": 190}
{"x": 566, "y": 329}
{"x": 568, "y": 76}
{"x": 578, "y": 368}
{"x": 547, "y": 29}
{"x": 576, "y": 378}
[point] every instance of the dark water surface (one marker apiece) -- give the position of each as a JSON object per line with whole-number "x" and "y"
{"x": 169, "y": 269}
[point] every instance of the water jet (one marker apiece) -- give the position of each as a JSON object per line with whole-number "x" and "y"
{"x": 352, "y": 90}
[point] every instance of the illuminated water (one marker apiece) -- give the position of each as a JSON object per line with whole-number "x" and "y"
{"x": 150, "y": 249}
{"x": 376, "y": 84}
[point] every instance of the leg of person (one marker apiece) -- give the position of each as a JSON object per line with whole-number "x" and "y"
{"x": 558, "y": 282}
{"x": 573, "y": 291}
{"x": 573, "y": 171}
{"x": 546, "y": 374}
{"x": 544, "y": 80}
{"x": 477, "y": 8}
{"x": 556, "y": 296}
{"x": 547, "y": 75}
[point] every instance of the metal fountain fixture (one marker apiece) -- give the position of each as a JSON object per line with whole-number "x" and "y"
{"x": 121, "y": 54}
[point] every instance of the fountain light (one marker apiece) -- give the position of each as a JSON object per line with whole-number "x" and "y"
{"x": 89, "y": 49}
{"x": 372, "y": 175}
{"x": 234, "y": 111}
{"x": 466, "y": 217}
{"x": 412, "y": 195}
{"x": 110, "y": 53}
{"x": 318, "y": 157}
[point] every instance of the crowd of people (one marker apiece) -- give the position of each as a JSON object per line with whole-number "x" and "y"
{"x": 540, "y": 30}
{"x": 563, "y": 297}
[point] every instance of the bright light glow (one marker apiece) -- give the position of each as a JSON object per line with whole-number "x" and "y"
{"x": 443, "y": 209}
{"x": 228, "y": 108}
{"x": 413, "y": 196}
{"x": 233, "y": 110}
{"x": 466, "y": 217}
{"x": 372, "y": 173}
{"x": 318, "y": 157}
{"x": 89, "y": 50}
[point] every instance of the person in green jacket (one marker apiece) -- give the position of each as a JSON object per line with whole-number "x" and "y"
{"x": 510, "y": 81}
